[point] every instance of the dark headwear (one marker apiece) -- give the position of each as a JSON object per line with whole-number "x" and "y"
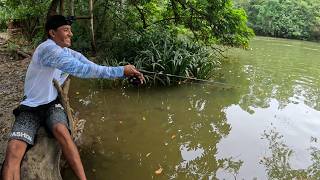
{"x": 55, "y": 21}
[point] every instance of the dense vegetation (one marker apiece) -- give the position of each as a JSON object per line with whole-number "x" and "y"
{"x": 296, "y": 19}
{"x": 27, "y": 14}
{"x": 172, "y": 36}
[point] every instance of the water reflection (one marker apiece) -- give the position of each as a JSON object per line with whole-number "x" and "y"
{"x": 176, "y": 129}
{"x": 289, "y": 74}
{"x": 278, "y": 163}
{"x": 208, "y": 126}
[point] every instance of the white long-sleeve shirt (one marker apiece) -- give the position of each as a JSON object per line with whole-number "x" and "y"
{"x": 49, "y": 62}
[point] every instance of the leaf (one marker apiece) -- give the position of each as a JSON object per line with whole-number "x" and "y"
{"x": 173, "y": 136}
{"x": 159, "y": 171}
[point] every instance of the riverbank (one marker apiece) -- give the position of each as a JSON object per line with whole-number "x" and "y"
{"x": 12, "y": 72}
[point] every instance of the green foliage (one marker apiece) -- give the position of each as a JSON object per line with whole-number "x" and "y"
{"x": 212, "y": 21}
{"x": 170, "y": 36}
{"x": 81, "y": 36}
{"x": 298, "y": 19}
{"x": 17, "y": 9}
{"x": 29, "y": 15}
{"x": 159, "y": 51}
{"x": 166, "y": 55}
{"x": 128, "y": 32}
{"x": 209, "y": 22}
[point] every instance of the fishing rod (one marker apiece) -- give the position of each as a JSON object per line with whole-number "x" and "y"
{"x": 189, "y": 78}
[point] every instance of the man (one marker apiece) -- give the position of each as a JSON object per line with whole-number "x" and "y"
{"x": 52, "y": 60}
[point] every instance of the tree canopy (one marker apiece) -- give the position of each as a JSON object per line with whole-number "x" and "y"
{"x": 171, "y": 36}
{"x": 214, "y": 21}
{"x": 297, "y": 19}
{"x": 210, "y": 21}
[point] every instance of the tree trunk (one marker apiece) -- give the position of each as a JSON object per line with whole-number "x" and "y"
{"x": 93, "y": 43}
{"x": 53, "y": 8}
{"x": 71, "y": 8}
{"x": 61, "y": 10}
{"x": 175, "y": 9}
{"x": 142, "y": 17}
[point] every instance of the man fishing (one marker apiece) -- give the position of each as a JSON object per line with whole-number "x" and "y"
{"x": 52, "y": 59}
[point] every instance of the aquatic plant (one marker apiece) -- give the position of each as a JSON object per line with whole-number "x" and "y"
{"x": 161, "y": 52}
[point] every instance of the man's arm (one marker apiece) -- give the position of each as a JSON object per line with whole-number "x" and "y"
{"x": 54, "y": 56}
{"x": 80, "y": 57}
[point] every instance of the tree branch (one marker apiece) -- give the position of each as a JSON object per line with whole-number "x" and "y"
{"x": 167, "y": 19}
{"x": 141, "y": 16}
{"x": 63, "y": 95}
{"x": 183, "y": 4}
{"x": 176, "y": 14}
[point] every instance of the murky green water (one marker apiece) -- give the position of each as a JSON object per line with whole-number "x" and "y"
{"x": 268, "y": 127}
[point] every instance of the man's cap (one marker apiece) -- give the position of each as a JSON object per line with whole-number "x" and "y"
{"x": 55, "y": 21}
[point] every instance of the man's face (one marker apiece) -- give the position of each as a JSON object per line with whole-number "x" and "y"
{"x": 62, "y": 35}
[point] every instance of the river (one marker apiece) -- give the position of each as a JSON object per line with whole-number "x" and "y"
{"x": 267, "y": 126}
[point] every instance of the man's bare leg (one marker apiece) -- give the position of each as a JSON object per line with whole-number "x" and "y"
{"x": 14, "y": 154}
{"x": 69, "y": 149}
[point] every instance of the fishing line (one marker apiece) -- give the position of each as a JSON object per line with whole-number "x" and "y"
{"x": 214, "y": 83}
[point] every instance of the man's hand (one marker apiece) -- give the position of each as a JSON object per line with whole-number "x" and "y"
{"x": 130, "y": 70}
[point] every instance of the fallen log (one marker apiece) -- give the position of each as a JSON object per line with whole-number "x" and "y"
{"x": 23, "y": 54}
{"x": 42, "y": 161}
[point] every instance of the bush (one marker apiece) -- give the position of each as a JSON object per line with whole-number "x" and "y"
{"x": 161, "y": 52}
{"x": 27, "y": 15}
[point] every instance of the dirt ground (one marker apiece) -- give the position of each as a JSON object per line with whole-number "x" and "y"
{"x": 12, "y": 74}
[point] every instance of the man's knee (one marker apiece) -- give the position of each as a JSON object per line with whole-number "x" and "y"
{"x": 15, "y": 152}
{"x": 60, "y": 131}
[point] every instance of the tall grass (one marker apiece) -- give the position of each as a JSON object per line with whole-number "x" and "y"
{"x": 160, "y": 52}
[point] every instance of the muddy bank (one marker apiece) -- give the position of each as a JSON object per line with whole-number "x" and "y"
{"x": 12, "y": 72}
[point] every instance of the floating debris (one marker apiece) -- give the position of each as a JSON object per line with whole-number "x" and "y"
{"x": 147, "y": 155}
{"x": 173, "y": 136}
{"x": 159, "y": 171}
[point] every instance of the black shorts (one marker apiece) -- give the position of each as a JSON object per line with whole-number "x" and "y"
{"x": 29, "y": 119}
